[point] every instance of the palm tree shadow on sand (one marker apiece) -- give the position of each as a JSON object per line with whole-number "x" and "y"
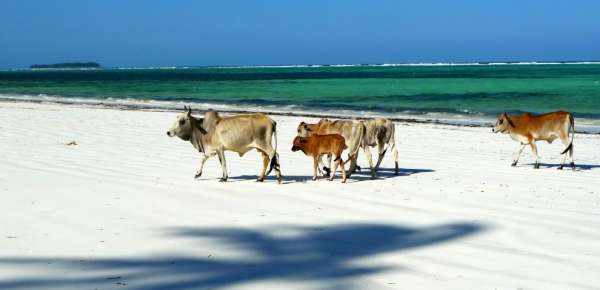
{"x": 324, "y": 255}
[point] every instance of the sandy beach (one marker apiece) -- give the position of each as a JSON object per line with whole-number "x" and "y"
{"x": 121, "y": 210}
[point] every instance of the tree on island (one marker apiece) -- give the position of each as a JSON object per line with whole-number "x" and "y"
{"x": 68, "y": 65}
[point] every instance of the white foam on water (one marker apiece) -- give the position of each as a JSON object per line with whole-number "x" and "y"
{"x": 374, "y": 65}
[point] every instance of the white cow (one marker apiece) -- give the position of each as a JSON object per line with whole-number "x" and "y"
{"x": 213, "y": 135}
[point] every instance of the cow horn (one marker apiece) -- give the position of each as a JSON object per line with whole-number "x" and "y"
{"x": 189, "y": 111}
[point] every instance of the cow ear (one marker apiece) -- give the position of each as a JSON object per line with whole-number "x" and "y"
{"x": 189, "y": 111}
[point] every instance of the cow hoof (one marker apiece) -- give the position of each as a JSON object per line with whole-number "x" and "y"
{"x": 197, "y": 175}
{"x": 513, "y": 164}
{"x": 560, "y": 167}
{"x": 357, "y": 168}
{"x": 260, "y": 179}
{"x": 573, "y": 165}
{"x": 222, "y": 179}
{"x": 344, "y": 181}
{"x": 536, "y": 166}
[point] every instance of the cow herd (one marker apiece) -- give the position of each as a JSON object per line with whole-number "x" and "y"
{"x": 213, "y": 134}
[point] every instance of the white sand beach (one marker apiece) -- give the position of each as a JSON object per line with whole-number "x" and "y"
{"x": 121, "y": 210}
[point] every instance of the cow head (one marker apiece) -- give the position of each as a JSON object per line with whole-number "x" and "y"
{"x": 298, "y": 143}
{"x": 305, "y": 130}
{"x": 503, "y": 124}
{"x": 185, "y": 124}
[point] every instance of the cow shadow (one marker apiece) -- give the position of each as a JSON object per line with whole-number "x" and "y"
{"x": 359, "y": 175}
{"x": 325, "y": 255}
{"x": 385, "y": 173}
{"x": 578, "y": 167}
{"x": 285, "y": 179}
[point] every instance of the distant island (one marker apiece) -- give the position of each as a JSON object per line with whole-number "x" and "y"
{"x": 67, "y": 65}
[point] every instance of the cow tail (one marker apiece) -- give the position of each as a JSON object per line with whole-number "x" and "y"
{"x": 274, "y": 160}
{"x": 572, "y": 129}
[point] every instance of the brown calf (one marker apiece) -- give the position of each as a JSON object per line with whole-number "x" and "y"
{"x": 352, "y": 131}
{"x": 317, "y": 145}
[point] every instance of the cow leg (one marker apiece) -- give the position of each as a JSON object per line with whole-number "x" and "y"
{"x": 352, "y": 159}
{"x": 369, "y": 159}
{"x": 535, "y": 153}
{"x": 395, "y": 157}
{"x": 204, "y": 158}
{"x": 571, "y": 157}
{"x": 276, "y": 166}
{"x": 517, "y": 154}
{"x": 266, "y": 159}
{"x": 270, "y": 160}
{"x": 221, "y": 155}
{"x": 315, "y": 166}
{"x": 381, "y": 151}
{"x": 565, "y": 142}
{"x": 333, "y": 169}
{"x": 343, "y": 171}
{"x": 328, "y": 167}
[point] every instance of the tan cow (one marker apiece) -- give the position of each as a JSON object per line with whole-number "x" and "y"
{"x": 352, "y": 131}
{"x": 380, "y": 131}
{"x": 317, "y": 145}
{"x": 213, "y": 135}
{"x": 527, "y": 129}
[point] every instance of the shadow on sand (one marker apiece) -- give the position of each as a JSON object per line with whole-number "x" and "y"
{"x": 362, "y": 175}
{"x": 325, "y": 255}
{"x": 567, "y": 166}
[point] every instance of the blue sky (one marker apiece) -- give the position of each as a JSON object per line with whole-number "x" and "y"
{"x": 224, "y": 32}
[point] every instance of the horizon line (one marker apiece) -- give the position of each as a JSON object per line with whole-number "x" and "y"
{"x": 529, "y": 62}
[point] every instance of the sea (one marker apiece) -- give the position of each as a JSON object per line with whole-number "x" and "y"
{"x": 464, "y": 94}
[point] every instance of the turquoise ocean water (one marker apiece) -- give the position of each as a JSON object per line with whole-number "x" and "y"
{"x": 463, "y": 93}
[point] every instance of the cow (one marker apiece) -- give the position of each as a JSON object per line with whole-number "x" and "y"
{"x": 527, "y": 129}
{"x": 380, "y": 132}
{"x": 213, "y": 135}
{"x": 352, "y": 131}
{"x": 318, "y": 145}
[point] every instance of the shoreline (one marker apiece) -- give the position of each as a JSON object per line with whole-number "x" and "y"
{"x": 97, "y": 103}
